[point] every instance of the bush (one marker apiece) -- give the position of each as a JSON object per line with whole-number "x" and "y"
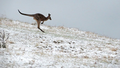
{"x": 3, "y": 39}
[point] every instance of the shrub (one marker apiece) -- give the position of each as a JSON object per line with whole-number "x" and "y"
{"x": 3, "y": 39}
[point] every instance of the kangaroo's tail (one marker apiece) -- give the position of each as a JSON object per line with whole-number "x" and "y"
{"x": 31, "y": 15}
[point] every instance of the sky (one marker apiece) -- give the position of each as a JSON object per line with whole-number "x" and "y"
{"x": 98, "y": 16}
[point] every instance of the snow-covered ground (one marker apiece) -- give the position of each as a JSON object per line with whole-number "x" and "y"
{"x": 58, "y": 47}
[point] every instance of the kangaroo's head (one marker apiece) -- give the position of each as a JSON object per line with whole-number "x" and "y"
{"x": 49, "y": 16}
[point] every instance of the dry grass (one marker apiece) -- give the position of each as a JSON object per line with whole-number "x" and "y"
{"x": 61, "y": 27}
{"x": 86, "y": 56}
{"x": 11, "y": 42}
{"x": 113, "y": 49}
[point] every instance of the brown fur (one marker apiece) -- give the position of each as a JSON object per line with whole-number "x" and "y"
{"x": 38, "y": 17}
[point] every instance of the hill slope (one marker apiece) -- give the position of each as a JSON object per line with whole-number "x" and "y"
{"x": 58, "y": 47}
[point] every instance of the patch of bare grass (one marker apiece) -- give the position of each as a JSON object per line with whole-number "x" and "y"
{"x": 11, "y": 42}
{"x": 113, "y": 49}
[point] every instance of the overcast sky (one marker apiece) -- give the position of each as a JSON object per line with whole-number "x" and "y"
{"x": 98, "y": 16}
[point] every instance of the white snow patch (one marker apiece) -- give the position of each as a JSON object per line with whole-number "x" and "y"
{"x": 58, "y": 47}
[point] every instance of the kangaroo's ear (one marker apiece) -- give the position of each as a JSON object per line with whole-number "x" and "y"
{"x": 49, "y": 14}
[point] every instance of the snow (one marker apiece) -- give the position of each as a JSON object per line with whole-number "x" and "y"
{"x": 58, "y": 47}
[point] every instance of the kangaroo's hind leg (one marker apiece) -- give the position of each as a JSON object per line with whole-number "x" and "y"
{"x": 38, "y": 23}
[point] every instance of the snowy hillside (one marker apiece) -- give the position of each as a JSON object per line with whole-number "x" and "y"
{"x": 58, "y": 47}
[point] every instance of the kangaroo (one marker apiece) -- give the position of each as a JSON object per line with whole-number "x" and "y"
{"x": 38, "y": 17}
